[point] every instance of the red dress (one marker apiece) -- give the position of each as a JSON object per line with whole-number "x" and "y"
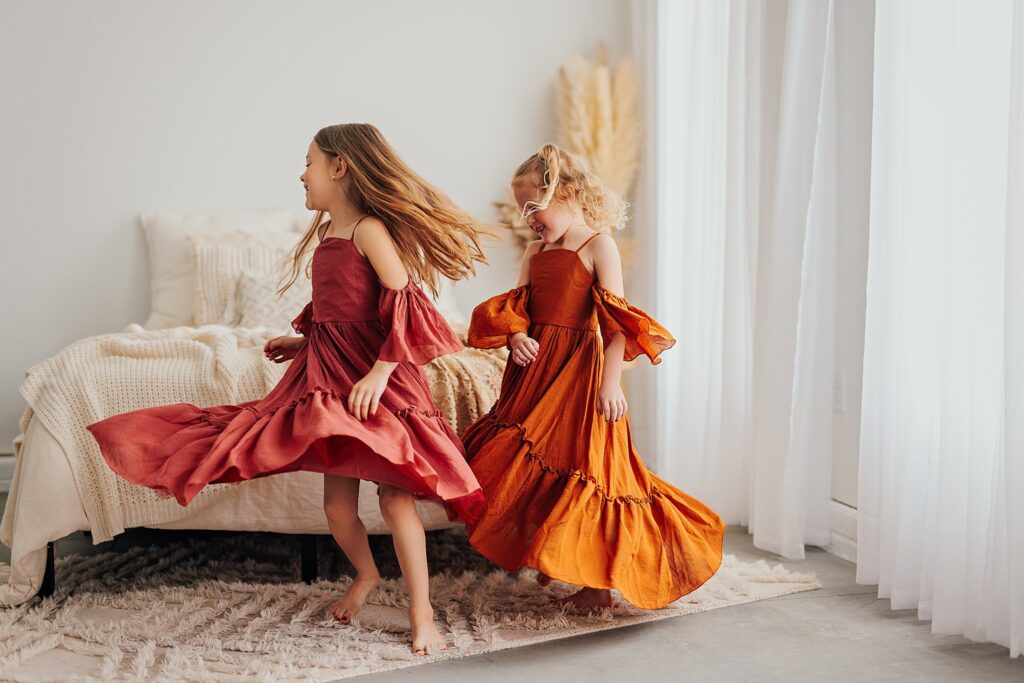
{"x": 304, "y": 423}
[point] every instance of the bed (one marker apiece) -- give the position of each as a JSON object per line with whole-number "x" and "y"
{"x": 61, "y": 485}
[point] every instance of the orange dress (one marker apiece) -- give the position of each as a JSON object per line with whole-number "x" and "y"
{"x": 303, "y": 423}
{"x": 567, "y": 493}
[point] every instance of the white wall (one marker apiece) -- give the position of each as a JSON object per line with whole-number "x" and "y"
{"x": 855, "y": 26}
{"x": 113, "y": 107}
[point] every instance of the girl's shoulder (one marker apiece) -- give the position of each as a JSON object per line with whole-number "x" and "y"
{"x": 533, "y": 247}
{"x": 370, "y": 231}
{"x": 599, "y": 243}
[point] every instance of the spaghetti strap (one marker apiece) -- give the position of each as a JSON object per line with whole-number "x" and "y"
{"x": 353, "y": 236}
{"x": 577, "y": 250}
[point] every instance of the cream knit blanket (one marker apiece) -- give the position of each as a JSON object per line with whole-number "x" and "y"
{"x": 103, "y": 375}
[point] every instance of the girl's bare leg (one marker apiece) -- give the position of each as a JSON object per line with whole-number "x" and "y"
{"x": 341, "y": 504}
{"x": 399, "y": 512}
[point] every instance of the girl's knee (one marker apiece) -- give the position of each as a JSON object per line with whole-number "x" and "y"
{"x": 392, "y": 500}
{"x": 340, "y": 508}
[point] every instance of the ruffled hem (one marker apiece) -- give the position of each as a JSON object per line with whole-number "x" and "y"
{"x": 538, "y": 458}
{"x": 643, "y": 334}
{"x": 179, "y": 449}
{"x": 666, "y": 544}
{"x": 498, "y": 317}
{"x": 417, "y": 333}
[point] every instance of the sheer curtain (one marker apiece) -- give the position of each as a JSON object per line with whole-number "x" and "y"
{"x": 941, "y": 518}
{"x": 744, "y": 274}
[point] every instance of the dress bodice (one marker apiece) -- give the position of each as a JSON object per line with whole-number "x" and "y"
{"x": 345, "y": 285}
{"x": 560, "y": 290}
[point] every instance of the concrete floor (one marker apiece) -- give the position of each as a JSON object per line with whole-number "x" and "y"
{"x": 839, "y": 633}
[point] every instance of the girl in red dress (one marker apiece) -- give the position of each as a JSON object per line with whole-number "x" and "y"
{"x": 354, "y": 403}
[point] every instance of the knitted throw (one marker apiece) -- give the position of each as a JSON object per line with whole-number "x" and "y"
{"x": 103, "y": 375}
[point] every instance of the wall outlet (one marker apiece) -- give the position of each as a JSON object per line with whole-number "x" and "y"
{"x": 839, "y": 392}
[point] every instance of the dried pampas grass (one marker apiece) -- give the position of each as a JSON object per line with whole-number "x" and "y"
{"x": 599, "y": 121}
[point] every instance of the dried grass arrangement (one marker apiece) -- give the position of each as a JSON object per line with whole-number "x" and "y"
{"x": 598, "y": 120}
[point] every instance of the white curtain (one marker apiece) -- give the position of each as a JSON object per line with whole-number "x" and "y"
{"x": 941, "y": 513}
{"x": 744, "y": 268}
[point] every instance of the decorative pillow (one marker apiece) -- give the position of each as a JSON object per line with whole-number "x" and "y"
{"x": 257, "y": 304}
{"x": 172, "y": 268}
{"x": 219, "y": 262}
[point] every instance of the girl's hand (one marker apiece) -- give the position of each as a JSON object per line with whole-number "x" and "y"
{"x": 365, "y": 396}
{"x": 524, "y": 349}
{"x": 611, "y": 402}
{"x": 280, "y": 349}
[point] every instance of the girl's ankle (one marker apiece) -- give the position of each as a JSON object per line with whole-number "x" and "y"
{"x": 421, "y": 611}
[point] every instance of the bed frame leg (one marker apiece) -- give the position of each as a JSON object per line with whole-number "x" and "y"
{"x": 49, "y": 574}
{"x": 309, "y": 557}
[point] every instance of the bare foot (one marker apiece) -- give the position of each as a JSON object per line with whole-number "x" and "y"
{"x": 349, "y": 604}
{"x": 426, "y": 639}
{"x": 543, "y": 579}
{"x": 587, "y": 598}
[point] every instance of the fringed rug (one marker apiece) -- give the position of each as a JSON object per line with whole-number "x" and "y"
{"x": 230, "y": 607}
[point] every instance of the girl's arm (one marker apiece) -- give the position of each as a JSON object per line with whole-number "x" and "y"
{"x": 524, "y": 269}
{"x": 611, "y": 402}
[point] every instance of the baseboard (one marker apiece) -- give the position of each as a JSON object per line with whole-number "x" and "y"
{"x": 6, "y": 472}
{"x": 843, "y": 525}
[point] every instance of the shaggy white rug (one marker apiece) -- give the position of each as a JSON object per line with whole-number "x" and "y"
{"x": 230, "y": 608}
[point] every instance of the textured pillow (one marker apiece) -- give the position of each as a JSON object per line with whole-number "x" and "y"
{"x": 257, "y": 304}
{"x": 219, "y": 262}
{"x": 172, "y": 267}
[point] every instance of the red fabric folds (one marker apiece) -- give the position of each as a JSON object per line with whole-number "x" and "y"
{"x": 303, "y": 322}
{"x": 416, "y": 331}
{"x": 304, "y": 423}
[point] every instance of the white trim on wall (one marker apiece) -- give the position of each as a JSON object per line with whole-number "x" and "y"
{"x": 843, "y": 528}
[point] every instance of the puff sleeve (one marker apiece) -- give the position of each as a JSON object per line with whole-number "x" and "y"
{"x": 303, "y": 323}
{"x": 644, "y": 334}
{"x": 493, "y": 320}
{"x": 416, "y": 332}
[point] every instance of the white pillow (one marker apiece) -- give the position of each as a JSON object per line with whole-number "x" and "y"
{"x": 172, "y": 267}
{"x": 219, "y": 261}
{"x": 257, "y": 303}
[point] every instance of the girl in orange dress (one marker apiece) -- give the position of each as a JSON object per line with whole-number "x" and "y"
{"x": 354, "y": 403}
{"x": 566, "y": 492}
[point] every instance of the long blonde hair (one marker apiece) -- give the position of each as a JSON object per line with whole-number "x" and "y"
{"x": 432, "y": 235}
{"x": 564, "y": 176}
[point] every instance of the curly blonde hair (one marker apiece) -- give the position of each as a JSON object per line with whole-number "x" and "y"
{"x": 433, "y": 236}
{"x": 563, "y": 176}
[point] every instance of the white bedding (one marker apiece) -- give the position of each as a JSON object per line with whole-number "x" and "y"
{"x": 44, "y": 505}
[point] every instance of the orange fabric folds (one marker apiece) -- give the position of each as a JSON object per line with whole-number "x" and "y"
{"x": 644, "y": 334}
{"x": 567, "y": 493}
{"x": 498, "y": 317}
